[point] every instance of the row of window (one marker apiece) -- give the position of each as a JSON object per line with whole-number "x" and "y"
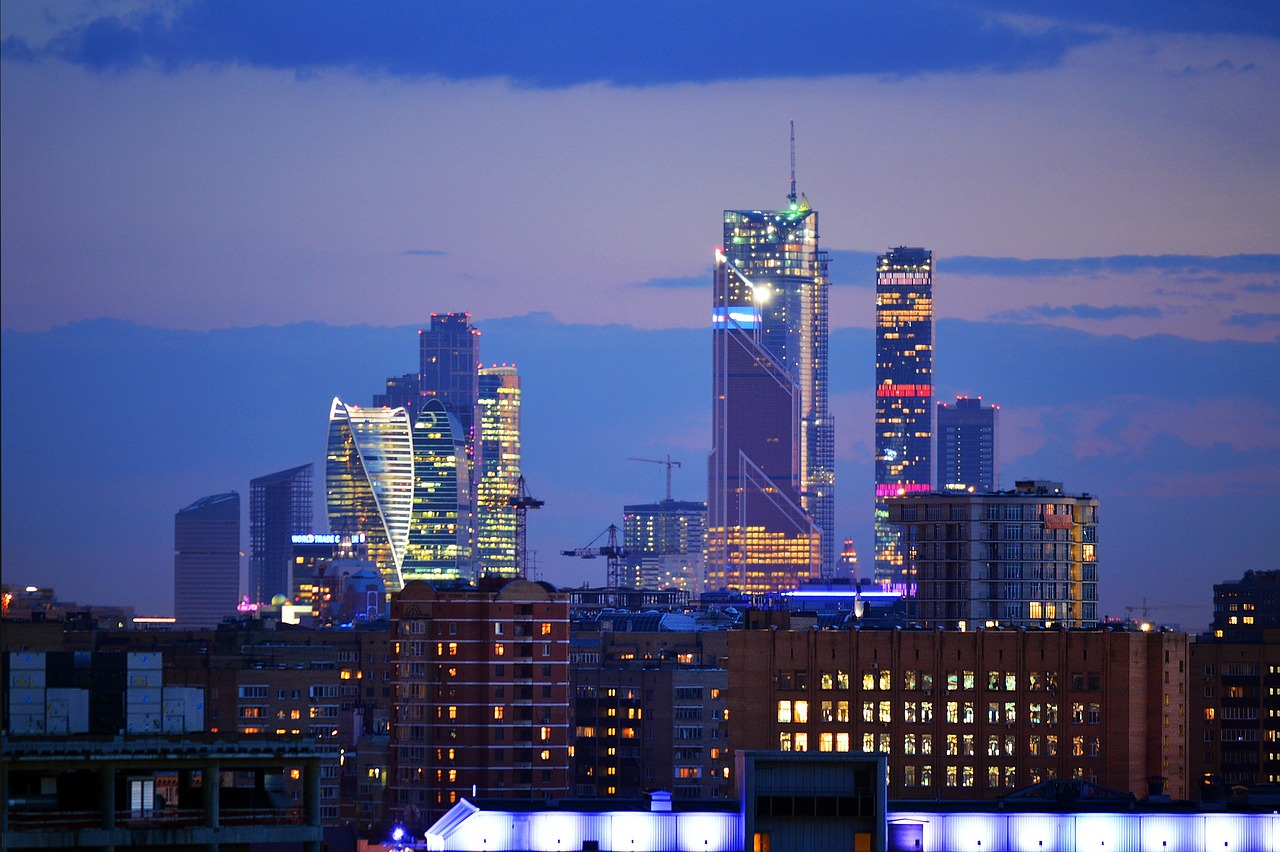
{"x": 957, "y": 712}
{"x": 912, "y": 679}
{"x": 954, "y": 745}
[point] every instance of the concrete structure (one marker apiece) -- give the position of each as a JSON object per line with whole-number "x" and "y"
{"x": 904, "y": 393}
{"x": 1234, "y": 726}
{"x": 969, "y": 715}
{"x": 279, "y": 509}
{"x": 481, "y": 695}
{"x": 1245, "y": 609}
{"x": 498, "y": 475}
{"x": 968, "y": 446}
{"x": 1021, "y": 558}
{"x": 206, "y": 560}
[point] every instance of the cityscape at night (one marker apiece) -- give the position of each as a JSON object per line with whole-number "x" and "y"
{"x": 501, "y": 426}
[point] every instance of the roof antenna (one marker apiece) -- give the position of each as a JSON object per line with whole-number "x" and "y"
{"x": 792, "y": 196}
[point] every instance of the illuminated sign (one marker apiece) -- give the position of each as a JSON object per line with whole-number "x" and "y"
{"x": 325, "y": 538}
{"x": 738, "y": 316}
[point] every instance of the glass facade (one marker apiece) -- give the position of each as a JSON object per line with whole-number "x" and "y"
{"x": 665, "y": 544}
{"x": 499, "y": 470}
{"x": 777, "y": 252}
{"x": 904, "y": 394}
{"x": 206, "y": 561}
{"x": 279, "y": 508}
{"x": 968, "y": 445}
{"x": 438, "y": 546}
{"x": 369, "y": 482}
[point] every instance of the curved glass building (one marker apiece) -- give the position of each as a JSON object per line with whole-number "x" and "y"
{"x": 369, "y": 482}
{"x": 439, "y": 541}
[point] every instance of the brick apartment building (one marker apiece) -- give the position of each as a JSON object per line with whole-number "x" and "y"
{"x": 1234, "y": 735}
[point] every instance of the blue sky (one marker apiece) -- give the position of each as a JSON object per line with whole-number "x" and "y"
{"x": 1098, "y": 181}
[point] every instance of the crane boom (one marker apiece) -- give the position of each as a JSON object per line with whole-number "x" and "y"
{"x": 668, "y": 462}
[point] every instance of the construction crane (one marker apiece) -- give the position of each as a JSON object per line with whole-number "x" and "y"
{"x": 669, "y": 463}
{"x": 611, "y": 550}
{"x": 1146, "y": 608}
{"x": 522, "y": 503}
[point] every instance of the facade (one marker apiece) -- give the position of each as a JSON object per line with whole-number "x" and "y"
{"x": 402, "y": 392}
{"x": 480, "y": 696}
{"x": 904, "y": 393}
{"x": 970, "y": 715}
{"x": 760, "y": 538}
{"x": 279, "y": 508}
{"x": 776, "y": 252}
{"x": 369, "y": 482}
{"x": 1234, "y": 732}
{"x": 206, "y": 560}
{"x": 499, "y": 472}
{"x": 1022, "y": 558}
{"x": 1245, "y": 609}
{"x": 665, "y": 544}
{"x": 439, "y": 544}
{"x": 968, "y": 446}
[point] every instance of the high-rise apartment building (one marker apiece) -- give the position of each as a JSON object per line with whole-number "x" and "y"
{"x": 968, "y": 445}
{"x": 1022, "y": 558}
{"x": 480, "y": 696}
{"x": 665, "y": 544}
{"x": 279, "y": 508}
{"x": 760, "y": 538}
{"x": 449, "y": 370}
{"x": 369, "y": 482}
{"x": 439, "y": 546}
{"x": 1244, "y": 609}
{"x": 206, "y": 560}
{"x": 498, "y": 473}
{"x": 904, "y": 392}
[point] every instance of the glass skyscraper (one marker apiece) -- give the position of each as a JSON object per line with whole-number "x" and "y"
{"x": 759, "y": 536}
{"x": 665, "y": 545}
{"x": 439, "y": 546}
{"x": 904, "y": 394}
{"x": 499, "y": 470}
{"x": 369, "y": 482}
{"x": 279, "y": 508}
{"x": 206, "y": 561}
{"x": 968, "y": 446}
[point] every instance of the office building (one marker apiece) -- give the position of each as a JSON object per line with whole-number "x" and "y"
{"x": 369, "y": 482}
{"x": 206, "y": 560}
{"x": 970, "y": 715}
{"x": 499, "y": 471}
{"x": 904, "y": 392}
{"x": 1021, "y": 558}
{"x": 760, "y": 538}
{"x": 439, "y": 547}
{"x": 1244, "y": 609}
{"x": 480, "y": 696}
{"x": 279, "y": 509}
{"x": 449, "y": 370}
{"x": 402, "y": 392}
{"x": 665, "y": 545}
{"x": 968, "y": 446}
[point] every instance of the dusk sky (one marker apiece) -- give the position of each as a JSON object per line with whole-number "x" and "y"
{"x": 267, "y": 199}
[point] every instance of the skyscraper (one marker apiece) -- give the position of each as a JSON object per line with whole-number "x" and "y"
{"x": 449, "y": 370}
{"x": 439, "y": 547}
{"x": 369, "y": 482}
{"x": 206, "y": 561}
{"x": 776, "y": 252}
{"x": 279, "y": 508}
{"x": 402, "y": 392}
{"x": 759, "y": 537}
{"x": 665, "y": 544}
{"x": 499, "y": 470}
{"x": 968, "y": 445}
{"x": 904, "y": 392}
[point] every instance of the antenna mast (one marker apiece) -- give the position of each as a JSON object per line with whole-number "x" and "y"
{"x": 792, "y": 196}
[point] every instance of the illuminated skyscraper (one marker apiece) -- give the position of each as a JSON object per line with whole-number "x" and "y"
{"x": 777, "y": 252}
{"x": 206, "y": 561}
{"x": 904, "y": 393}
{"x": 439, "y": 547}
{"x": 759, "y": 537}
{"x": 449, "y": 370}
{"x": 369, "y": 482}
{"x": 499, "y": 470}
{"x": 665, "y": 545}
{"x": 279, "y": 508}
{"x": 968, "y": 446}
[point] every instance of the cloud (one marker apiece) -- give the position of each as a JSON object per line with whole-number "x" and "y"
{"x": 559, "y": 44}
{"x": 1262, "y": 287}
{"x": 689, "y": 282}
{"x": 425, "y": 252}
{"x": 1252, "y": 320}
{"x": 1088, "y": 312}
{"x": 1239, "y": 17}
{"x": 1164, "y": 263}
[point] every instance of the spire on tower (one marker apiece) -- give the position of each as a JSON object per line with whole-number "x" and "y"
{"x": 792, "y": 196}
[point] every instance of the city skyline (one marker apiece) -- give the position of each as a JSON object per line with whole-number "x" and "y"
{"x": 1101, "y": 188}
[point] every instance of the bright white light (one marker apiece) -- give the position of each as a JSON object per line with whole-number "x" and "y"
{"x": 762, "y": 293}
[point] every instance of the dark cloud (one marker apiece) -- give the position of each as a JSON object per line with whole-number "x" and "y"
{"x": 425, "y": 252}
{"x": 1252, "y": 320}
{"x": 691, "y": 282}
{"x": 1235, "y": 17}
{"x": 1088, "y": 312}
{"x": 562, "y": 42}
{"x": 1262, "y": 287}
{"x": 1180, "y": 264}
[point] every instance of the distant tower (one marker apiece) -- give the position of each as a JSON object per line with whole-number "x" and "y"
{"x": 499, "y": 471}
{"x": 439, "y": 547}
{"x": 402, "y": 392}
{"x": 968, "y": 446}
{"x": 279, "y": 508}
{"x": 665, "y": 545}
{"x": 369, "y": 482}
{"x": 206, "y": 561}
{"x": 904, "y": 393}
{"x": 449, "y": 370}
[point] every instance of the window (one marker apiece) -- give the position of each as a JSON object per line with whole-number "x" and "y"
{"x": 784, "y": 711}
{"x": 842, "y": 742}
{"x": 826, "y": 741}
{"x": 802, "y": 712}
